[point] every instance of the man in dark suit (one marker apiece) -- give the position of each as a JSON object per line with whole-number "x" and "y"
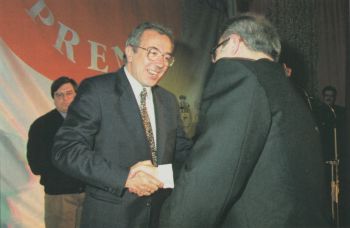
{"x": 107, "y": 134}
{"x": 330, "y": 117}
{"x": 64, "y": 195}
{"x": 257, "y": 161}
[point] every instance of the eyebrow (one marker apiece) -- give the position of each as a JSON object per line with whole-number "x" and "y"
{"x": 65, "y": 92}
{"x": 160, "y": 51}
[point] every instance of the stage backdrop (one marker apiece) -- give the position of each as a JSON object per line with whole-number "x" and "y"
{"x": 41, "y": 40}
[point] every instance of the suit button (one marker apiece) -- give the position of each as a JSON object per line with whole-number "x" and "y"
{"x": 149, "y": 204}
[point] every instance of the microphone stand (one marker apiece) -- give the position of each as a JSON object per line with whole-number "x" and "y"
{"x": 334, "y": 165}
{"x": 335, "y": 179}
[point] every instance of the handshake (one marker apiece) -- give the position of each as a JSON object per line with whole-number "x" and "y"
{"x": 143, "y": 179}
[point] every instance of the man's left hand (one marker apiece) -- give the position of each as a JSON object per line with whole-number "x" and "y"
{"x": 144, "y": 166}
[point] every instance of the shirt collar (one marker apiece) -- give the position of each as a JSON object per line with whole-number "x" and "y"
{"x": 63, "y": 114}
{"x": 135, "y": 85}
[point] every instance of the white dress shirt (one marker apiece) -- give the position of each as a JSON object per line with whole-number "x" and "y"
{"x": 165, "y": 172}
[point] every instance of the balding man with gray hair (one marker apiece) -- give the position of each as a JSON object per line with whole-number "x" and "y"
{"x": 257, "y": 161}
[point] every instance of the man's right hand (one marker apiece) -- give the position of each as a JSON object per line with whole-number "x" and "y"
{"x": 143, "y": 184}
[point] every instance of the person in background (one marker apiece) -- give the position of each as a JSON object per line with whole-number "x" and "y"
{"x": 257, "y": 161}
{"x": 64, "y": 195}
{"x": 329, "y": 94}
{"x": 120, "y": 121}
{"x": 331, "y": 118}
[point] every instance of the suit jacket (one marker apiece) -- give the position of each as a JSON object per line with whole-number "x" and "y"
{"x": 39, "y": 147}
{"x": 103, "y": 136}
{"x": 257, "y": 161}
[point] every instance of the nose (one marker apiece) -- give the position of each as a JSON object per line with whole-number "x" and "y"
{"x": 160, "y": 62}
{"x": 65, "y": 97}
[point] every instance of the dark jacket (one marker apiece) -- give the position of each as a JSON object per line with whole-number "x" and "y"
{"x": 39, "y": 150}
{"x": 103, "y": 136}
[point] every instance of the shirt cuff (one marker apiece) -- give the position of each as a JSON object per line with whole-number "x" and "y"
{"x": 165, "y": 175}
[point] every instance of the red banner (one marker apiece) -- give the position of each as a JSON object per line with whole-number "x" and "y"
{"x": 78, "y": 38}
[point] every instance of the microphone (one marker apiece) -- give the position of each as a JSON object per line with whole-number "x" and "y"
{"x": 317, "y": 100}
{"x": 324, "y": 104}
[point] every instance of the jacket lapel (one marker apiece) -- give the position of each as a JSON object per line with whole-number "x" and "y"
{"x": 160, "y": 113}
{"x": 127, "y": 106}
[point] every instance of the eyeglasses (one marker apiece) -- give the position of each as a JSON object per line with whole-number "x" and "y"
{"x": 70, "y": 94}
{"x": 154, "y": 54}
{"x": 213, "y": 51}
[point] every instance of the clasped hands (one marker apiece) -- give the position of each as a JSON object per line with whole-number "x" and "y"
{"x": 142, "y": 179}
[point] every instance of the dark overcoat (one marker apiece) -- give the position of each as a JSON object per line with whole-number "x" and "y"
{"x": 257, "y": 161}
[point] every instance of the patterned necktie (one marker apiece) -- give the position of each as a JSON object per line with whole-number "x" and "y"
{"x": 148, "y": 127}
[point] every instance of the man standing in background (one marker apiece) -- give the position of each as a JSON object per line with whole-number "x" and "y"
{"x": 328, "y": 117}
{"x": 331, "y": 118}
{"x": 64, "y": 195}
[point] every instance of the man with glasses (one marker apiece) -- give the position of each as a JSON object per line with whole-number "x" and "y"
{"x": 121, "y": 121}
{"x": 257, "y": 161}
{"x": 64, "y": 195}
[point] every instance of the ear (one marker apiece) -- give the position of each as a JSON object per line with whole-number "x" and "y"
{"x": 129, "y": 52}
{"x": 235, "y": 42}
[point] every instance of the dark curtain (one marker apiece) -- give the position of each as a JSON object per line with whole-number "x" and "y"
{"x": 347, "y": 102}
{"x": 258, "y": 6}
{"x": 332, "y": 22}
{"x": 296, "y": 21}
{"x": 300, "y": 33}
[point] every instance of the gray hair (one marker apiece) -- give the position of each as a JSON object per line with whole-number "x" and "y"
{"x": 135, "y": 35}
{"x": 257, "y": 33}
